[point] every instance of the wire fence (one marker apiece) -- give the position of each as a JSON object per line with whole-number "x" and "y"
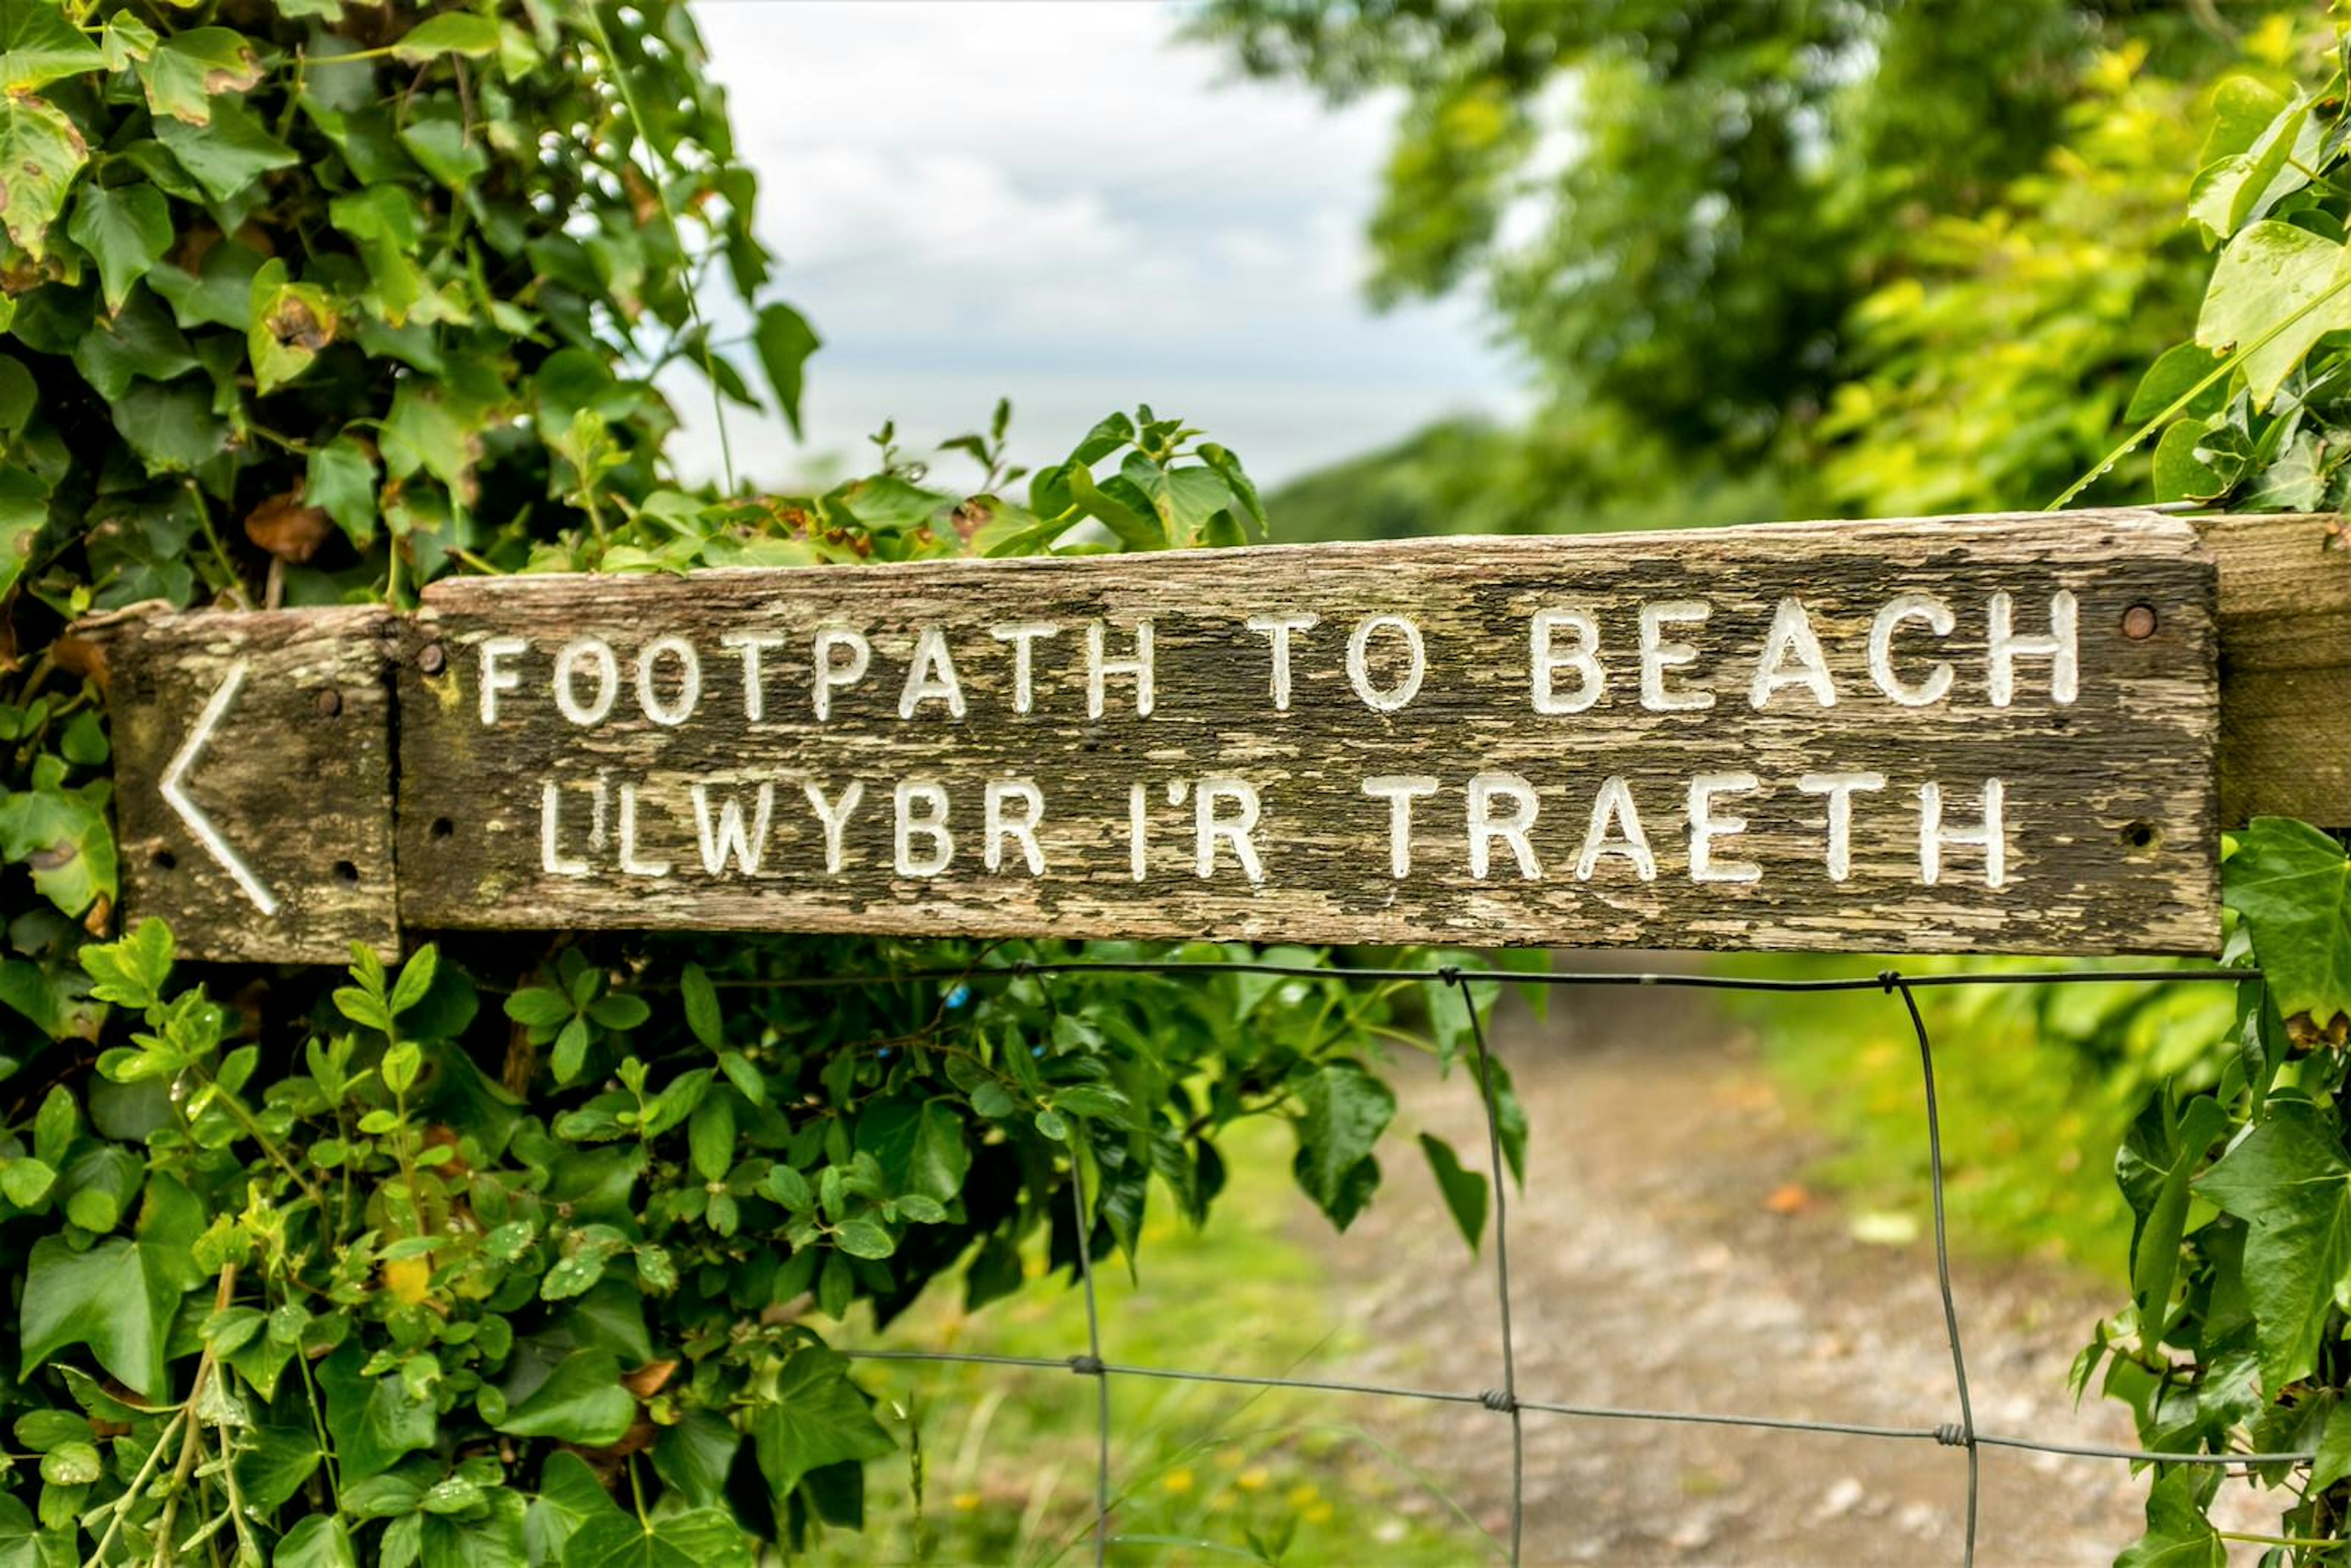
{"x": 1957, "y": 1430}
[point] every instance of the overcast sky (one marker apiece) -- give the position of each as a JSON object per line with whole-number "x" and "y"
{"x": 1059, "y": 203}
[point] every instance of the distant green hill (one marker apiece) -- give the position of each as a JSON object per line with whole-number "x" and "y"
{"x": 1472, "y": 475}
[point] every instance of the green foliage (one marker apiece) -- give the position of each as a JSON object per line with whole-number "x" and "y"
{"x": 1675, "y": 210}
{"x": 519, "y": 1252}
{"x": 2251, "y": 413}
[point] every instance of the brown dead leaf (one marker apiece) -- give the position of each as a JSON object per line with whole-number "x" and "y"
{"x": 287, "y": 529}
{"x": 648, "y": 1379}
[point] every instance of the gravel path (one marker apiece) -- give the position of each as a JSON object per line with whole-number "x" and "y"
{"x": 1666, "y": 1256}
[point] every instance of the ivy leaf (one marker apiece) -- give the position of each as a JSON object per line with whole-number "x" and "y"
{"x": 62, "y": 834}
{"x": 118, "y": 1298}
{"x": 785, "y": 340}
{"x": 581, "y": 1402}
{"x": 454, "y": 33}
{"x": 1464, "y": 1189}
{"x": 2287, "y": 1180}
{"x": 229, "y": 153}
{"x": 2293, "y": 886}
{"x": 372, "y": 1420}
{"x": 1346, "y": 1110}
{"x": 41, "y": 151}
{"x": 189, "y": 68}
{"x": 2279, "y": 288}
{"x": 2244, "y": 185}
{"x": 811, "y": 1417}
{"x": 24, "y": 512}
{"x": 125, "y": 228}
{"x": 318, "y": 1542}
{"x": 39, "y": 44}
{"x": 2178, "y": 1534}
{"x": 697, "y": 1538}
{"x": 2159, "y": 1158}
{"x": 569, "y": 1495}
{"x": 173, "y": 428}
{"x": 340, "y": 482}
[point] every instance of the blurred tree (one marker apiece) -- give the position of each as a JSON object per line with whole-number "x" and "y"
{"x": 1674, "y": 207}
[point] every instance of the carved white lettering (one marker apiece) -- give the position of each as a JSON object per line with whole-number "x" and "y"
{"x": 1904, "y": 607}
{"x": 753, "y": 645}
{"x": 1547, "y": 661}
{"x": 725, "y": 838}
{"x": 930, "y": 675}
{"x": 1840, "y": 789}
{"x": 1134, "y": 823}
{"x": 1659, "y": 655}
{"x": 1706, "y": 827}
{"x": 1099, "y": 668}
{"x": 1024, "y": 636}
{"x": 919, "y": 809}
{"x": 1208, "y": 826}
{"x": 1400, "y": 791}
{"x": 679, "y": 708}
{"x": 2006, "y": 644}
{"x": 833, "y": 816}
{"x": 1991, "y": 834}
{"x": 632, "y": 863}
{"x": 1486, "y": 825}
{"x": 1359, "y": 673}
{"x": 1613, "y": 808}
{"x": 595, "y": 652}
{"x": 1020, "y": 826}
{"x": 834, "y": 673}
{"x": 1278, "y": 630}
{"x": 1791, "y": 636}
{"x": 496, "y": 677}
{"x": 550, "y": 804}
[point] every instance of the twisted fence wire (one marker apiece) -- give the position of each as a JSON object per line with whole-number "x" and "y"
{"x": 1505, "y": 1399}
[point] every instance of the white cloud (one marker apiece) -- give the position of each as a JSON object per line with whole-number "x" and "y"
{"x": 1061, "y": 203}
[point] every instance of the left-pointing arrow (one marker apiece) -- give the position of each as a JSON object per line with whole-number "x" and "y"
{"x": 174, "y": 776}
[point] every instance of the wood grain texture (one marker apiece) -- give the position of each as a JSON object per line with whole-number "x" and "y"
{"x": 302, "y": 796}
{"x": 2111, "y": 806}
{"x": 2285, "y": 667}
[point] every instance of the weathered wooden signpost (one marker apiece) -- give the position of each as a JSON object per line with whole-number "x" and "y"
{"x": 1969, "y": 734}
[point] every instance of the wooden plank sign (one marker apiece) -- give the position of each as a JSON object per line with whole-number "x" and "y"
{"x": 254, "y": 778}
{"x": 1985, "y": 734}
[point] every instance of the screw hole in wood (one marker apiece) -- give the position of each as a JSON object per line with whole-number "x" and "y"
{"x": 347, "y": 874}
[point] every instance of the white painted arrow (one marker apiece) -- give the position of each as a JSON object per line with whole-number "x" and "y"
{"x": 198, "y": 823}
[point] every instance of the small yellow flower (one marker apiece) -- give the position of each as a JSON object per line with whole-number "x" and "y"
{"x": 966, "y": 1501}
{"x": 1320, "y": 1513}
{"x": 1177, "y": 1481}
{"x": 1303, "y": 1494}
{"x": 1252, "y": 1478}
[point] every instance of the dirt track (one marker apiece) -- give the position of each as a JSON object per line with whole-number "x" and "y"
{"x": 1652, "y": 1269}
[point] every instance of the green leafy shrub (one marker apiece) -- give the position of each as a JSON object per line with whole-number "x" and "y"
{"x": 519, "y": 1252}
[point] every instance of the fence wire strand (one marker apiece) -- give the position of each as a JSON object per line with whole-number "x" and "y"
{"x": 1962, "y": 1433}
